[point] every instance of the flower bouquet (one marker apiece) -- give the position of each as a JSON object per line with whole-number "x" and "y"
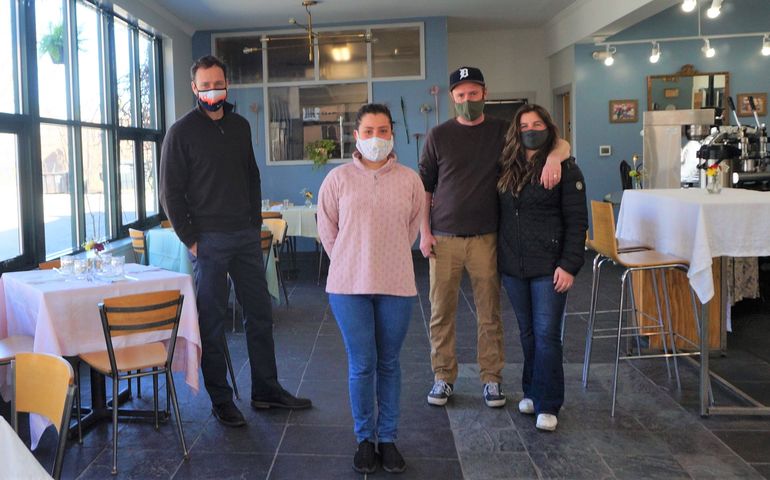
{"x": 308, "y": 197}
{"x": 714, "y": 178}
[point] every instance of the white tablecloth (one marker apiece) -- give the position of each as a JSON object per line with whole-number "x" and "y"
{"x": 697, "y": 226}
{"x": 300, "y": 219}
{"x": 16, "y": 461}
{"x": 64, "y": 319}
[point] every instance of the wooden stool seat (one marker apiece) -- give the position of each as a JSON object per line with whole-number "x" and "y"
{"x": 648, "y": 258}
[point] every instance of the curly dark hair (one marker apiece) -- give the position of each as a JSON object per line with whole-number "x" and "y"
{"x": 515, "y": 170}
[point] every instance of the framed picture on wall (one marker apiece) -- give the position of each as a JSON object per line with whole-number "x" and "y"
{"x": 624, "y": 111}
{"x": 760, "y": 103}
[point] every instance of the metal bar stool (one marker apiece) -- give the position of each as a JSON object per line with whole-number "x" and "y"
{"x": 641, "y": 260}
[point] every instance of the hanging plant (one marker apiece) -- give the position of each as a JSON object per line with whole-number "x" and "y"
{"x": 52, "y": 44}
{"x": 320, "y": 151}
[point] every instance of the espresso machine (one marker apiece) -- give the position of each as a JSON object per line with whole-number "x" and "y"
{"x": 741, "y": 149}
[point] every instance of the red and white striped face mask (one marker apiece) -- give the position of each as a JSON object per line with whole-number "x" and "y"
{"x": 212, "y": 100}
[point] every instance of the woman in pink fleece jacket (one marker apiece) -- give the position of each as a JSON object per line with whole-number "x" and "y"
{"x": 368, "y": 219}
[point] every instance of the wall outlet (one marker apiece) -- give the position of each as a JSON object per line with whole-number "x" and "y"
{"x": 605, "y": 150}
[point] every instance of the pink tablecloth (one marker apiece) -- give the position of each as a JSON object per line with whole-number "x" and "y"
{"x": 64, "y": 319}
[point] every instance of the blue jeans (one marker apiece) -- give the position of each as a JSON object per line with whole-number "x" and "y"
{"x": 373, "y": 328}
{"x": 539, "y": 310}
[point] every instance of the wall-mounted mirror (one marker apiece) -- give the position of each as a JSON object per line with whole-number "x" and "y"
{"x": 688, "y": 89}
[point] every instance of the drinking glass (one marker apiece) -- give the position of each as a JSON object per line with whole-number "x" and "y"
{"x": 285, "y": 203}
{"x": 118, "y": 262}
{"x": 66, "y": 267}
{"x": 80, "y": 268}
{"x": 265, "y": 204}
{"x": 105, "y": 266}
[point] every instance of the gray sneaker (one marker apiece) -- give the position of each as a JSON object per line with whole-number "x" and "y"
{"x": 493, "y": 395}
{"x": 440, "y": 393}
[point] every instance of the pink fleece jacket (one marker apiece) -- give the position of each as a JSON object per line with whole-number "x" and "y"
{"x": 367, "y": 222}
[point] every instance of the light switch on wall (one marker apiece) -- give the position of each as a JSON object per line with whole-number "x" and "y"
{"x": 605, "y": 150}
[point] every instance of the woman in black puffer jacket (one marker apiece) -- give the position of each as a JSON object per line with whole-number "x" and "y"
{"x": 539, "y": 251}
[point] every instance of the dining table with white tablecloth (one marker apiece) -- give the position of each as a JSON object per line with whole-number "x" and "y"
{"x": 61, "y": 313}
{"x": 300, "y": 220}
{"x": 699, "y": 226}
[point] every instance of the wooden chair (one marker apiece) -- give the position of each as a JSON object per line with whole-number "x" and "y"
{"x": 130, "y": 315}
{"x": 278, "y": 227}
{"x": 266, "y": 215}
{"x": 139, "y": 243}
{"x": 165, "y": 224}
{"x": 635, "y": 261}
{"x": 44, "y": 384}
{"x": 49, "y": 265}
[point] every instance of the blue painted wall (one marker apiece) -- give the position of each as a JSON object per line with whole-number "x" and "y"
{"x": 596, "y": 84}
{"x": 280, "y": 181}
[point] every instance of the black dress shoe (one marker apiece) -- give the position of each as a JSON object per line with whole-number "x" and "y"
{"x": 392, "y": 461}
{"x": 365, "y": 460}
{"x": 281, "y": 399}
{"x": 228, "y": 414}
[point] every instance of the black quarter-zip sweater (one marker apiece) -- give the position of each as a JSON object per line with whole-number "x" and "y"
{"x": 209, "y": 180}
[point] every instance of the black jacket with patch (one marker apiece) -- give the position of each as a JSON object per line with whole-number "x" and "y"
{"x": 544, "y": 229}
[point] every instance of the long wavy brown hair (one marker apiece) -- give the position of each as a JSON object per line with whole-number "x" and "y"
{"x": 515, "y": 170}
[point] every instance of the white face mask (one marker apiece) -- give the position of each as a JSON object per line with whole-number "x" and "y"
{"x": 375, "y": 149}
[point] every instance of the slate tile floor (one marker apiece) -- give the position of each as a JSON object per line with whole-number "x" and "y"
{"x": 656, "y": 433}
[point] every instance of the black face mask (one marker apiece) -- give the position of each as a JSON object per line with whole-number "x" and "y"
{"x": 534, "y": 139}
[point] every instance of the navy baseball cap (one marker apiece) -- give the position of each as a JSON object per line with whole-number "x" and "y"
{"x": 465, "y": 74}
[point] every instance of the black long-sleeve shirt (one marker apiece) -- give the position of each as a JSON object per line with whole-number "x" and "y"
{"x": 209, "y": 180}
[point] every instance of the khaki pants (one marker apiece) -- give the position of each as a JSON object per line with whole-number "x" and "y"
{"x": 477, "y": 255}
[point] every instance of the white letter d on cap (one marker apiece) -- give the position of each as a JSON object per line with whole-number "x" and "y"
{"x": 463, "y": 73}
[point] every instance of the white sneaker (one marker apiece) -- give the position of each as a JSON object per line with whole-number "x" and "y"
{"x": 546, "y": 421}
{"x": 526, "y": 405}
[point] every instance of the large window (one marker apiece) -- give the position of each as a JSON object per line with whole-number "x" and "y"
{"x": 311, "y": 90}
{"x": 80, "y": 125}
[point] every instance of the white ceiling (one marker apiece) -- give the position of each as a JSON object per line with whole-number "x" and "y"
{"x": 464, "y": 15}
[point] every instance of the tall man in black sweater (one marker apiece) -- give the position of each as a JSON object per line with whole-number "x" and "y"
{"x": 210, "y": 190}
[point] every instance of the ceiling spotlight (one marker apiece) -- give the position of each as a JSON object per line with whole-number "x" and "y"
{"x": 715, "y": 10}
{"x": 689, "y": 5}
{"x": 609, "y": 60}
{"x": 707, "y": 49}
{"x": 766, "y": 45}
{"x": 655, "y": 55}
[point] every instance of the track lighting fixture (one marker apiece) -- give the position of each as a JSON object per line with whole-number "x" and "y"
{"x": 766, "y": 45}
{"x": 689, "y": 5}
{"x": 707, "y": 49}
{"x": 655, "y": 54}
{"x": 715, "y": 9}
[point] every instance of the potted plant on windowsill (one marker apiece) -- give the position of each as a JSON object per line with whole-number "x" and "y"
{"x": 320, "y": 151}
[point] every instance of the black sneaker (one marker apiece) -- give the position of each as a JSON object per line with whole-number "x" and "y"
{"x": 392, "y": 461}
{"x": 228, "y": 414}
{"x": 281, "y": 399}
{"x": 493, "y": 395}
{"x": 365, "y": 460}
{"x": 440, "y": 393}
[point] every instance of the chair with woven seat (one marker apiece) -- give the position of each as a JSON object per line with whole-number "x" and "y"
{"x": 131, "y": 315}
{"x": 44, "y": 384}
{"x": 655, "y": 263}
{"x": 139, "y": 244}
{"x": 278, "y": 227}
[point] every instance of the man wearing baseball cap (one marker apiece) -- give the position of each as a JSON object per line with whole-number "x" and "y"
{"x": 459, "y": 170}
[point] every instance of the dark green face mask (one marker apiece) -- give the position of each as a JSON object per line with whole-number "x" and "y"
{"x": 470, "y": 110}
